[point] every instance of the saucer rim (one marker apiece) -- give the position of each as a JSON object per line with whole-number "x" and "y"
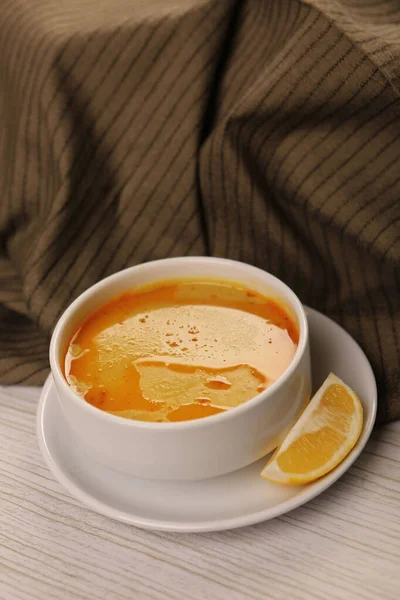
{"x": 304, "y": 495}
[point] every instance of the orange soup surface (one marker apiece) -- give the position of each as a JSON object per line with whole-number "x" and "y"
{"x": 180, "y": 350}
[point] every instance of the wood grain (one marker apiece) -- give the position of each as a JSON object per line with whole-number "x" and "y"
{"x": 343, "y": 545}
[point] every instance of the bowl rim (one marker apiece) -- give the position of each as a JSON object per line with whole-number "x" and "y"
{"x": 234, "y": 412}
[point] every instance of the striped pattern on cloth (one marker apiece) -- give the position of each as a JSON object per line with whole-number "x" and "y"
{"x": 266, "y": 131}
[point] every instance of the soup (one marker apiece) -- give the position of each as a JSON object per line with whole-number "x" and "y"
{"x": 180, "y": 350}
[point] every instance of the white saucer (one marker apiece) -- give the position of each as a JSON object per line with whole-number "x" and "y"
{"x": 234, "y": 500}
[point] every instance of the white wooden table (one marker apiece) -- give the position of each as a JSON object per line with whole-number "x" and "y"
{"x": 345, "y": 544}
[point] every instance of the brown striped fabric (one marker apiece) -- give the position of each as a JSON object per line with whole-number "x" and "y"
{"x": 266, "y": 131}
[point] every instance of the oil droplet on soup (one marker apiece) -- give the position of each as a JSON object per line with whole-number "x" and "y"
{"x": 180, "y": 350}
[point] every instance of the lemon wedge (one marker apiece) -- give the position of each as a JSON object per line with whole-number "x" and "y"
{"x": 323, "y": 436}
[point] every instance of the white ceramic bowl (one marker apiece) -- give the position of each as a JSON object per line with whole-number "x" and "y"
{"x": 186, "y": 450}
